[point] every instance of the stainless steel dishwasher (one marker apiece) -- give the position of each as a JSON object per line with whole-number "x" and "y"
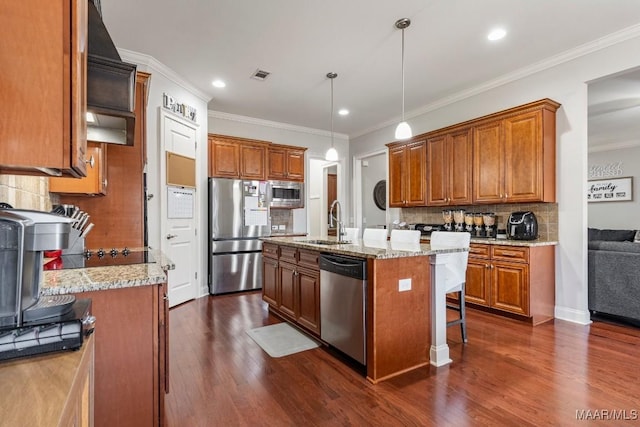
{"x": 343, "y": 290}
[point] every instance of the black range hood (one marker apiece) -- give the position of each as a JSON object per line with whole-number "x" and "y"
{"x": 110, "y": 85}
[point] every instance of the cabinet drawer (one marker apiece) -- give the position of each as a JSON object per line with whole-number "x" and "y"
{"x": 309, "y": 259}
{"x": 510, "y": 253}
{"x": 270, "y": 250}
{"x": 289, "y": 254}
{"x": 477, "y": 250}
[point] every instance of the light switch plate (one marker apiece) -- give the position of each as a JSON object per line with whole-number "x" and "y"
{"x": 404, "y": 285}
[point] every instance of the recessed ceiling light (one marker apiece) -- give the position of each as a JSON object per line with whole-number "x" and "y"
{"x": 218, "y": 83}
{"x": 496, "y": 34}
{"x": 343, "y": 112}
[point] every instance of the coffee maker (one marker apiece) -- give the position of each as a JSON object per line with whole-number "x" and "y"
{"x": 24, "y": 236}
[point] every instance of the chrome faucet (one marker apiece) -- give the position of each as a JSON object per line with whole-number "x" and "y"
{"x": 338, "y": 218}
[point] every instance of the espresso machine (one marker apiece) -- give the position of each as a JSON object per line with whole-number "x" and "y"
{"x": 31, "y": 324}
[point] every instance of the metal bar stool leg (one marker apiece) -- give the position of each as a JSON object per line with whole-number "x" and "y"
{"x": 463, "y": 315}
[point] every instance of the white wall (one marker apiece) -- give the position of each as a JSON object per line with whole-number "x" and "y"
{"x": 618, "y": 215}
{"x": 375, "y": 171}
{"x": 163, "y": 80}
{"x": 564, "y": 80}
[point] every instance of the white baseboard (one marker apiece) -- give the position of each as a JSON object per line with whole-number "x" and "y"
{"x": 581, "y": 317}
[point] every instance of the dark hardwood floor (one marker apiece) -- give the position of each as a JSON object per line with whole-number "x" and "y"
{"x": 509, "y": 373}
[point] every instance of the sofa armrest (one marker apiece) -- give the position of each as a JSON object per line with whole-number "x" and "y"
{"x": 614, "y": 282}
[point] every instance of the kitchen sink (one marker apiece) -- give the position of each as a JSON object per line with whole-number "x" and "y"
{"x": 324, "y": 242}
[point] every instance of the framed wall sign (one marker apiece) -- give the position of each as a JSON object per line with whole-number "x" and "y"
{"x": 610, "y": 190}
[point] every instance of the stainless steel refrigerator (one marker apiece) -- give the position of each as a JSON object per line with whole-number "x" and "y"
{"x": 238, "y": 216}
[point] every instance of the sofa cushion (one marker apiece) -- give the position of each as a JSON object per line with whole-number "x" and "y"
{"x": 612, "y": 235}
{"x": 602, "y": 245}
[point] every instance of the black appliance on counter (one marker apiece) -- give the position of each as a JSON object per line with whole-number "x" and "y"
{"x": 522, "y": 226}
{"x": 427, "y": 229}
{"x": 63, "y": 332}
{"x": 29, "y": 322}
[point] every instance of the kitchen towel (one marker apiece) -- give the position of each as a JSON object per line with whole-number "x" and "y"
{"x": 281, "y": 339}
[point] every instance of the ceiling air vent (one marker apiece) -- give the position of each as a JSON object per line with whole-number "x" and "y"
{"x": 260, "y": 74}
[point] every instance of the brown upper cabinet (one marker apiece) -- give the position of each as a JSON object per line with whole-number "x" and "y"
{"x": 515, "y": 155}
{"x": 231, "y": 157}
{"x": 95, "y": 183}
{"x": 234, "y": 157}
{"x": 449, "y": 163}
{"x": 505, "y": 157}
{"x": 286, "y": 163}
{"x": 43, "y": 93}
{"x": 407, "y": 174}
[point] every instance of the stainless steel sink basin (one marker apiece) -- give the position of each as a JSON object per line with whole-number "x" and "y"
{"x": 324, "y": 242}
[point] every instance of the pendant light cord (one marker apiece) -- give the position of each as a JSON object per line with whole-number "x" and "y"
{"x": 403, "y": 74}
{"x": 331, "y": 112}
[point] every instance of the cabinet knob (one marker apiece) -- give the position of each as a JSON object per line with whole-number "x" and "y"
{"x": 486, "y": 266}
{"x": 91, "y": 162}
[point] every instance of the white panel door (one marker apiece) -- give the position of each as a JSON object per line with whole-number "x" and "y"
{"x": 178, "y": 235}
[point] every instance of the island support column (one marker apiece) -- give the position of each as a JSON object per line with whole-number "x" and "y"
{"x": 439, "y": 352}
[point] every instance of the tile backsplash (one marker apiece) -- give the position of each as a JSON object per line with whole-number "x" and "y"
{"x": 283, "y": 220}
{"x": 26, "y": 192}
{"x": 546, "y": 213}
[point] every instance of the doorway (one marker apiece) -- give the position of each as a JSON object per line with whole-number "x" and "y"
{"x": 318, "y": 198}
{"x": 370, "y": 192}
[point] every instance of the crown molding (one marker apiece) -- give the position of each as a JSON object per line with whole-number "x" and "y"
{"x": 157, "y": 66}
{"x": 268, "y": 123}
{"x": 614, "y": 146}
{"x": 569, "y": 55}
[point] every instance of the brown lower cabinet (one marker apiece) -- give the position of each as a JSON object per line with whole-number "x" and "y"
{"x": 131, "y": 355}
{"x": 514, "y": 280}
{"x": 291, "y": 284}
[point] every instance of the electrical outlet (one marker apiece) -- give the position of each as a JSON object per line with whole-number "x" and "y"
{"x": 404, "y": 285}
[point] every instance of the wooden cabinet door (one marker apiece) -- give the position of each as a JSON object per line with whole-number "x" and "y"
{"x": 224, "y": 159}
{"x": 94, "y": 184}
{"x": 270, "y": 281}
{"x": 437, "y": 171}
{"x": 488, "y": 163}
{"x": 277, "y": 163}
{"x": 43, "y": 92}
{"x": 288, "y": 293}
{"x": 523, "y": 173}
{"x": 460, "y": 153}
{"x": 295, "y": 165}
{"x": 252, "y": 161}
{"x": 309, "y": 311}
{"x": 396, "y": 177}
{"x": 416, "y": 174}
{"x": 449, "y": 164}
{"x": 510, "y": 287}
{"x": 477, "y": 286}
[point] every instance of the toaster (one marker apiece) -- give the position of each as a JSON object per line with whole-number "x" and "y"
{"x": 522, "y": 226}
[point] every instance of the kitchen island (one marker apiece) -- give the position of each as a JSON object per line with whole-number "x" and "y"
{"x": 405, "y": 329}
{"x": 131, "y": 336}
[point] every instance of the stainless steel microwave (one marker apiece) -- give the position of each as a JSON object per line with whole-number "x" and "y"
{"x": 286, "y": 194}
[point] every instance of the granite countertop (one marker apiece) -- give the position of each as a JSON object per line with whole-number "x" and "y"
{"x": 58, "y": 282}
{"x": 507, "y": 242}
{"x": 359, "y": 248}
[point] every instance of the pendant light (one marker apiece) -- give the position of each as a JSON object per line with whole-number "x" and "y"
{"x": 403, "y": 131}
{"x": 332, "y": 153}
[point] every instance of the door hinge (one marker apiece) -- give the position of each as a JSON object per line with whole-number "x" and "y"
{"x": 196, "y": 275}
{"x": 196, "y": 231}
